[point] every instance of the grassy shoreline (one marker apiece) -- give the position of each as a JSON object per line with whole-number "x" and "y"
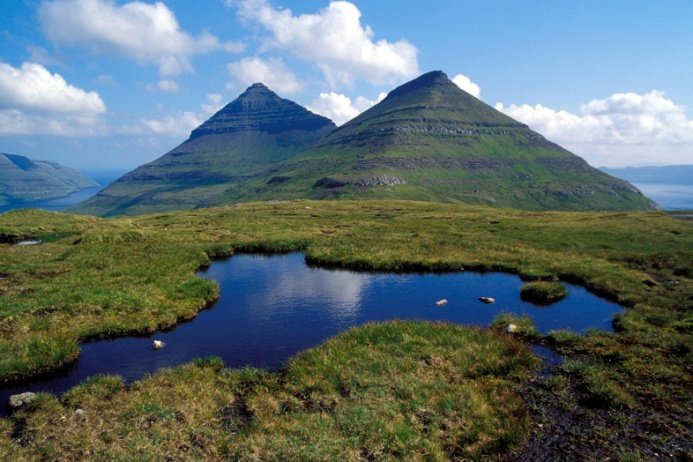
{"x": 396, "y": 390}
{"x": 103, "y": 277}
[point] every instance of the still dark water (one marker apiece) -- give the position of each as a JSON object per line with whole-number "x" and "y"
{"x": 272, "y": 307}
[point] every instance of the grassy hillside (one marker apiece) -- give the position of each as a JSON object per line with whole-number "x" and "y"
{"x": 26, "y": 180}
{"x": 246, "y": 138}
{"x": 427, "y": 140}
{"x": 619, "y": 395}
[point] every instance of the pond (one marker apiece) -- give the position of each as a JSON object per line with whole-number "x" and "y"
{"x": 272, "y": 307}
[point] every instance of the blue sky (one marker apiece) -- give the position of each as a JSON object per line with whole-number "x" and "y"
{"x": 105, "y": 84}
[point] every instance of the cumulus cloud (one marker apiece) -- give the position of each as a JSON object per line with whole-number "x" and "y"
{"x": 272, "y": 72}
{"x": 179, "y": 124}
{"x": 340, "y": 108}
{"x": 167, "y": 85}
{"x": 623, "y": 129}
{"x": 335, "y": 40}
{"x": 466, "y": 84}
{"x": 34, "y": 101}
{"x": 147, "y": 33}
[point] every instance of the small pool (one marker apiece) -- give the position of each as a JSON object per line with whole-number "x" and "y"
{"x": 272, "y": 307}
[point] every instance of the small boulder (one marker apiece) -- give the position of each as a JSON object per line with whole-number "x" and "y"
{"x": 17, "y": 401}
{"x": 79, "y": 413}
{"x": 442, "y": 302}
{"x": 511, "y": 328}
{"x": 487, "y": 300}
{"x": 158, "y": 345}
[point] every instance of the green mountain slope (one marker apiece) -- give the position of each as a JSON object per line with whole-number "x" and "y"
{"x": 429, "y": 140}
{"x": 26, "y": 180}
{"x": 241, "y": 141}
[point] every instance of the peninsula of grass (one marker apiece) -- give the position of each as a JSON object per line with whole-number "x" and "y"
{"x": 543, "y": 292}
{"x": 623, "y": 395}
{"x": 400, "y": 390}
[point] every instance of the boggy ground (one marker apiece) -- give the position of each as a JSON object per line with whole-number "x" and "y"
{"x": 617, "y": 396}
{"x": 401, "y": 390}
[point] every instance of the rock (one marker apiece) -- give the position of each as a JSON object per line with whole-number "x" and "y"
{"x": 442, "y": 302}
{"x": 487, "y": 299}
{"x": 158, "y": 345}
{"x": 511, "y": 328}
{"x": 26, "y": 243}
{"x": 79, "y": 413}
{"x": 17, "y": 401}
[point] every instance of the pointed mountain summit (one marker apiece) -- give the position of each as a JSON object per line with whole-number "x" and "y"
{"x": 430, "y": 140}
{"x": 244, "y": 139}
{"x": 259, "y": 109}
{"x": 427, "y": 140}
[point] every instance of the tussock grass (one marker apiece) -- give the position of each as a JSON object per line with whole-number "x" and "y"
{"x": 543, "y": 292}
{"x": 400, "y": 390}
{"x": 104, "y": 277}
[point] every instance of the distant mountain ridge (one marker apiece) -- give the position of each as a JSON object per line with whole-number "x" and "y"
{"x": 25, "y": 180}
{"x": 668, "y": 174}
{"x": 427, "y": 140}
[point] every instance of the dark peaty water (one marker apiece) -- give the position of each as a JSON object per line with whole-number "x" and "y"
{"x": 272, "y": 307}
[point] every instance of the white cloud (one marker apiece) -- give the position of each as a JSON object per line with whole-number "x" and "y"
{"x": 466, "y": 84}
{"x": 335, "y": 40}
{"x": 623, "y": 129}
{"x": 32, "y": 100}
{"x": 271, "y": 72}
{"x": 340, "y": 108}
{"x": 167, "y": 85}
{"x": 179, "y": 124}
{"x": 148, "y": 33}
{"x": 213, "y": 104}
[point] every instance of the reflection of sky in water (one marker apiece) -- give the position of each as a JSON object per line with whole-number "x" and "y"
{"x": 281, "y": 289}
{"x": 273, "y": 307}
{"x": 338, "y": 293}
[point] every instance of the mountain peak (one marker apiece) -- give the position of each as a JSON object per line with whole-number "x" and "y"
{"x": 428, "y": 80}
{"x": 431, "y": 102}
{"x": 260, "y": 109}
{"x": 258, "y": 86}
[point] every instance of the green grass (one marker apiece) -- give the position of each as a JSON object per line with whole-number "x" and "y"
{"x": 447, "y": 145}
{"x": 400, "y": 390}
{"x": 543, "y": 292}
{"x": 105, "y": 277}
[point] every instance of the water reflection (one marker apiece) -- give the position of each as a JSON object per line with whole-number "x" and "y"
{"x": 272, "y": 307}
{"x": 283, "y": 287}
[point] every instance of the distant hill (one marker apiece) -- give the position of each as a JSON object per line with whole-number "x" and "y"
{"x": 26, "y": 180}
{"x": 427, "y": 140}
{"x": 670, "y": 174}
{"x": 245, "y": 139}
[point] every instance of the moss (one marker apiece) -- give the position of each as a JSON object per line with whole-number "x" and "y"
{"x": 520, "y": 326}
{"x": 399, "y": 390}
{"x": 543, "y": 292}
{"x": 104, "y": 277}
